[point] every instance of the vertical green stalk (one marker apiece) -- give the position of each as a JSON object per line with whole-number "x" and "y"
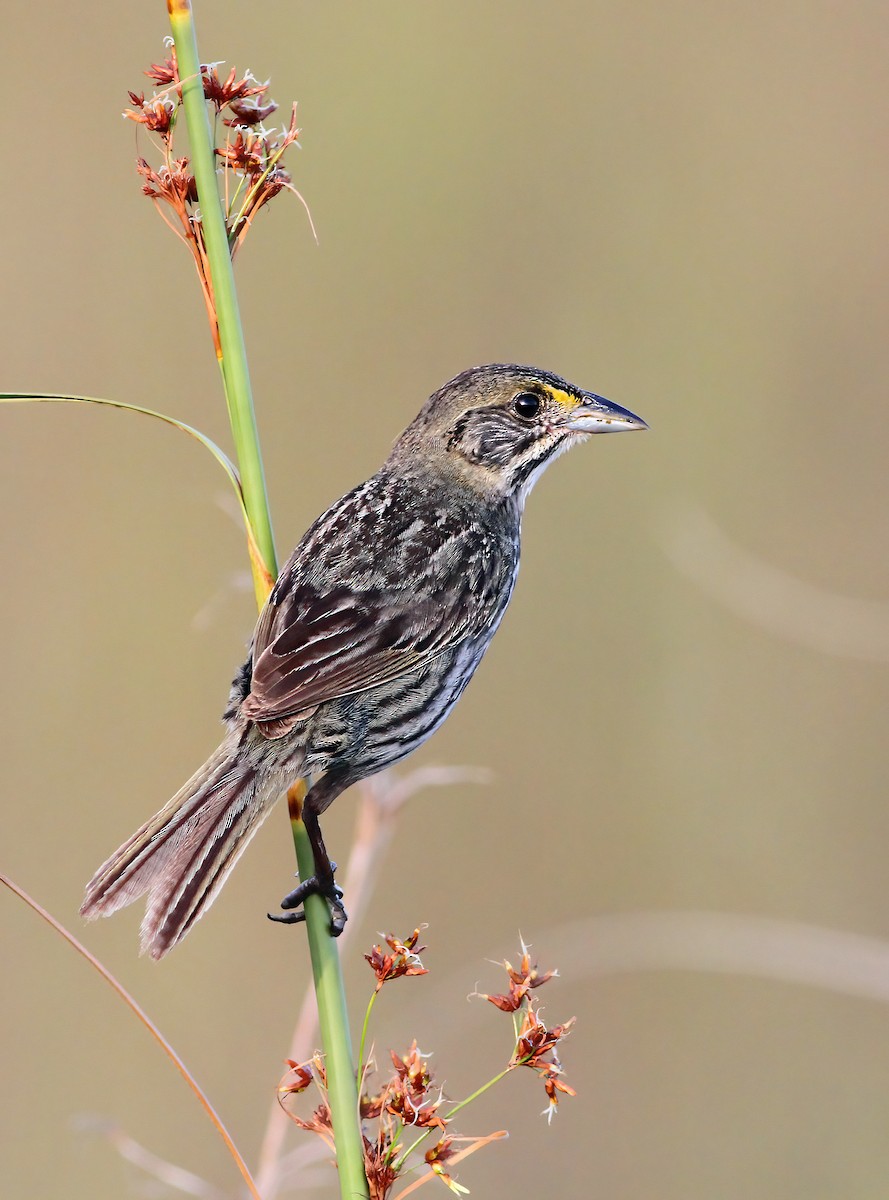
{"x": 333, "y": 1018}
{"x": 333, "y": 1015}
{"x": 232, "y": 351}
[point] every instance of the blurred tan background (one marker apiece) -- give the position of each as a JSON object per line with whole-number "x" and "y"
{"x": 682, "y": 206}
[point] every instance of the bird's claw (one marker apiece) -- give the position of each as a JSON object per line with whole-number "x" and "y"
{"x": 288, "y": 918}
{"x": 313, "y": 886}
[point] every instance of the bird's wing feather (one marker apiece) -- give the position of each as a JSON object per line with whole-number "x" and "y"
{"x": 312, "y": 646}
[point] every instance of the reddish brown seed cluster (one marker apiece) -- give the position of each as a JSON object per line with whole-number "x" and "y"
{"x": 409, "y": 1095}
{"x": 298, "y": 1078}
{"x": 521, "y": 981}
{"x": 402, "y": 958}
{"x": 250, "y": 156}
{"x": 536, "y": 1045}
{"x": 408, "y": 1107}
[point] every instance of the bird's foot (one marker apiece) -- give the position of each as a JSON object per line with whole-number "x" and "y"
{"x": 313, "y": 886}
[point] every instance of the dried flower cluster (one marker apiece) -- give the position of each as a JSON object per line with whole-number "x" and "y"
{"x": 403, "y": 958}
{"x": 250, "y": 156}
{"x": 536, "y": 1045}
{"x": 407, "y": 1102}
{"x": 407, "y": 1109}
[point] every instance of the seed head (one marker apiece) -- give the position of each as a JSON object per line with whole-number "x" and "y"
{"x": 402, "y": 958}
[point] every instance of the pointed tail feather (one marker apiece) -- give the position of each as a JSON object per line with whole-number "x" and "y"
{"x": 182, "y": 856}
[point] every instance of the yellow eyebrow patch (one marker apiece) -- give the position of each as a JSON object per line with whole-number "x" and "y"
{"x": 563, "y": 398}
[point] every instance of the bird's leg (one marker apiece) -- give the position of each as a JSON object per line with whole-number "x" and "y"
{"x": 322, "y": 882}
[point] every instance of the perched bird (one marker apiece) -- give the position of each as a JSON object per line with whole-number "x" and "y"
{"x": 374, "y": 627}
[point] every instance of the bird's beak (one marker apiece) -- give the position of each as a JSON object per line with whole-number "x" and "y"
{"x": 595, "y": 414}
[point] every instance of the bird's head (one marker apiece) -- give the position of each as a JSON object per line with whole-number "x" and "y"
{"x": 497, "y": 427}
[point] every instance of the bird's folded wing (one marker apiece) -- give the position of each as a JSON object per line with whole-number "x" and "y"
{"x": 312, "y": 646}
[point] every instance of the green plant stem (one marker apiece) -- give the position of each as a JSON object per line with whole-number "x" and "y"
{"x": 370, "y": 1005}
{"x": 232, "y": 351}
{"x": 332, "y": 1012}
{"x": 333, "y": 1019}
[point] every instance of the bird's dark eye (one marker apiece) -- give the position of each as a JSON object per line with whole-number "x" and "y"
{"x": 527, "y": 405}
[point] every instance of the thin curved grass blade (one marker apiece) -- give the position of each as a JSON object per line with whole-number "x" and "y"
{"x": 218, "y": 453}
{"x": 144, "y": 1018}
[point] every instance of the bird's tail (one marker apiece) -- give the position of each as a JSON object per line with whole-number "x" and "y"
{"x": 182, "y": 856}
